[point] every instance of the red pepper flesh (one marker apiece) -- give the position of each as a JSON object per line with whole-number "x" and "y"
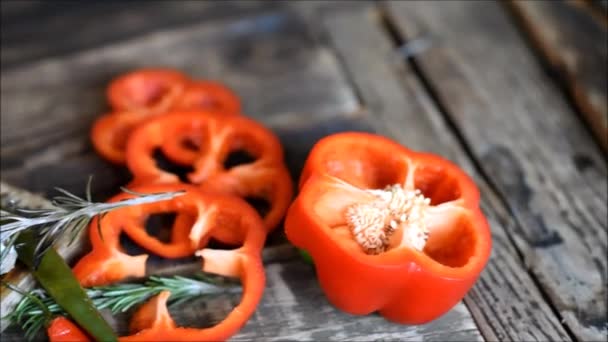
{"x": 405, "y": 284}
{"x": 147, "y": 91}
{"x": 215, "y": 213}
{"x": 266, "y": 177}
{"x": 62, "y": 329}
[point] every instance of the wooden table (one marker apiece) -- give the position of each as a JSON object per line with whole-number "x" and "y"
{"x": 515, "y": 93}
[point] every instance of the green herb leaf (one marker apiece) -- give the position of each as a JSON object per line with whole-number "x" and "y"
{"x": 30, "y": 315}
{"x": 70, "y": 214}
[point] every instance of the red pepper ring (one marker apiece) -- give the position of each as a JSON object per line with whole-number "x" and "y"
{"x": 180, "y": 245}
{"x": 62, "y": 329}
{"x": 391, "y": 249}
{"x": 146, "y": 91}
{"x": 266, "y": 177}
{"x": 110, "y": 132}
{"x": 244, "y": 263}
{"x": 272, "y": 184}
{"x": 107, "y": 263}
{"x": 199, "y": 95}
{"x": 208, "y": 95}
{"x": 152, "y": 319}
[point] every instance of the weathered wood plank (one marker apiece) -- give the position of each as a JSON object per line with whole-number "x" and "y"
{"x": 30, "y": 29}
{"x": 574, "y": 43}
{"x": 289, "y": 309}
{"x": 282, "y": 75}
{"x": 535, "y": 152}
{"x": 294, "y": 308}
{"x": 505, "y": 302}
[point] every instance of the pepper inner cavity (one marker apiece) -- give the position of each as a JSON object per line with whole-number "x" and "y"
{"x": 372, "y": 224}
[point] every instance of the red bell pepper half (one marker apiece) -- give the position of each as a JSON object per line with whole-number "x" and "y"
{"x": 388, "y": 229}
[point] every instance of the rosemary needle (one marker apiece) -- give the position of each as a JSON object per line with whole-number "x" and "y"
{"x": 34, "y": 309}
{"x": 69, "y": 214}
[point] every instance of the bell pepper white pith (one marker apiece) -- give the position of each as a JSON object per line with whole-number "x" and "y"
{"x": 372, "y": 224}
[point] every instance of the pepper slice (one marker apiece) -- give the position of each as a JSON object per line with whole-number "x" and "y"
{"x": 152, "y": 321}
{"x": 266, "y": 177}
{"x": 388, "y": 228}
{"x": 107, "y": 263}
{"x": 146, "y": 91}
{"x": 208, "y": 95}
{"x": 139, "y": 94}
{"x": 62, "y": 329}
{"x": 200, "y": 215}
{"x": 179, "y": 246}
{"x": 110, "y": 132}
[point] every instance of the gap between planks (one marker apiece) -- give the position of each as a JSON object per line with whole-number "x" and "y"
{"x": 567, "y": 42}
{"x": 505, "y": 302}
{"x": 564, "y": 257}
{"x": 432, "y": 92}
{"x": 128, "y": 21}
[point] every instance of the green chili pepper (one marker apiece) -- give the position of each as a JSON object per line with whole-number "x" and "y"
{"x": 56, "y": 277}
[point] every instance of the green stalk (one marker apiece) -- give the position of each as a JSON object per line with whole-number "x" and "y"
{"x": 307, "y": 258}
{"x": 56, "y": 277}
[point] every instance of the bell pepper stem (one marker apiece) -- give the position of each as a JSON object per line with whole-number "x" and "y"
{"x": 307, "y": 258}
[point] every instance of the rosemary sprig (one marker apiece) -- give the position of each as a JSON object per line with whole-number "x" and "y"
{"x": 33, "y": 310}
{"x": 69, "y": 214}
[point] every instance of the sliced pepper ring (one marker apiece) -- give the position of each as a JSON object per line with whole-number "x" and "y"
{"x": 138, "y": 94}
{"x": 146, "y": 91}
{"x": 152, "y": 321}
{"x": 199, "y": 95}
{"x": 266, "y": 177}
{"x": 388, "y": 249}
{"x": 180, "y": 245}
{"x": 107, "y": 263}
{"x": 208, "y": 95}
{"x": 61, "y": 329}
{"x": 110, "y": 132}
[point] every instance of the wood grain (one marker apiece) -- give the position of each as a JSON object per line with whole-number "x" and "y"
{"x": 574, "y": 44}
{"x": 505, "y": 302}
{"x": 30, "y": 28}
{"x": 529, "y": 145}
{"x": 294, "y": 308}
{"x": 284, "y": 78}
{"x": 541, "y": 177}
{"x": 319, "y": 107}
